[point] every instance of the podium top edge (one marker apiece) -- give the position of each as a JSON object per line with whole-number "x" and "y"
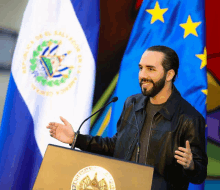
{"x": 95, "y": 154}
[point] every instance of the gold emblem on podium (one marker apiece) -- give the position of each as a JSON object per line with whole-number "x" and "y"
{"x": 93, "y": 178}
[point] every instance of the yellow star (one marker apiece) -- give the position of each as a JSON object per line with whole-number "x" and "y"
{"x": 206, "y": 93}
{"x": 203, "y": 57}
{"x": 190, "y": 27}
{"x": 157, "y": 13}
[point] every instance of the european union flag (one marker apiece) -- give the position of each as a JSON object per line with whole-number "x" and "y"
{"x": 179, "y": 25}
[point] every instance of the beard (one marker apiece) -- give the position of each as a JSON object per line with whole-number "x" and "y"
{"x": 156, "y": 88}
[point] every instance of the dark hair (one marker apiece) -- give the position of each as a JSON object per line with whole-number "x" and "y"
{"x": 171, "y": 60}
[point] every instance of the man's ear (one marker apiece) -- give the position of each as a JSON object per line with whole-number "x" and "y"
{"x": 170, "y": 75}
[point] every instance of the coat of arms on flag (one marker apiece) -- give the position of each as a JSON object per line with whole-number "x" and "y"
{"x": 54, "y": 60}
{"x": 50, "y": 65}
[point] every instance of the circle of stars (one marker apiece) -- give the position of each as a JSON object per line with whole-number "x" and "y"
{"x": 190, "y": 26}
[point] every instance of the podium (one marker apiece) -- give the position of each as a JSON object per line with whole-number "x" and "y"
{"x": 66, "y": 169}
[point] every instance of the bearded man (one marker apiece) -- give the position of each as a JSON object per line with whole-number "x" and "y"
{"x": 171, "y": 134}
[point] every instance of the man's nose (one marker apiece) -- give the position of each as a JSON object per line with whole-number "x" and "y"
{"x": 143, "y": 74}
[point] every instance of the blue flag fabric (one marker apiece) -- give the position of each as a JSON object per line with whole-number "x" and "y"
{"x": 53, "y": 61}
{"x": 179, "y": 25}
{"x": 88, "y": 15}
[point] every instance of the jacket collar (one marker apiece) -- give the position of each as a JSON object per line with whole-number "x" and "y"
{"x": 169, "y": 107}
{"x": 141, "y": 102}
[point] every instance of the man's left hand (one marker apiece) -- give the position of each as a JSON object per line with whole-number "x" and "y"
{"x": 184, "y": 157}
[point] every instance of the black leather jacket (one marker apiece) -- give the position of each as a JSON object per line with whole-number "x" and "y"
{"x": 175, "y": 123}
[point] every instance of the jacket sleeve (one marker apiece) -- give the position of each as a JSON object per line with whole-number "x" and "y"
{"x": 195, "y": 133}
{"x": 98, "y": 144}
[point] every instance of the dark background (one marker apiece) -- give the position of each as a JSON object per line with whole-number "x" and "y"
{"x": 116, "y": 21}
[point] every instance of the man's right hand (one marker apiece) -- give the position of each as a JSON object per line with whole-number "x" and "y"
{"x": 62, "y": 132}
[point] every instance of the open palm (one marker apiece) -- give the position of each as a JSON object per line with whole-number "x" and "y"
{"x": 62, "y": 132}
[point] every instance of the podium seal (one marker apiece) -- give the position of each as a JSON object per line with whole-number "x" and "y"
{"x": 93, "y": 178}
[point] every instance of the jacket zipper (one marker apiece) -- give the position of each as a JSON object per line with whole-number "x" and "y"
{"x": 149, "y": 139}
{"x": 131, "y": 145}
{"x": 136, "y": 135}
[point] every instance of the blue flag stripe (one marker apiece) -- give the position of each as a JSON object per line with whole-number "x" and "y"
{"x": 18, "y": 147}
{"x": 89, "y": 21}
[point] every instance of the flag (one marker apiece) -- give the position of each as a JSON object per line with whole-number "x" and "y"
{"x": 52, "y": 75}
{"x": 179, "y": 25}
{"x": 100, "y": 122}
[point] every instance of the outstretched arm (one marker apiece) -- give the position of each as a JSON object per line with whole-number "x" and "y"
{"x": 64, "y": 133}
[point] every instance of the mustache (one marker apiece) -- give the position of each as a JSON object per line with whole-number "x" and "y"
{"x": 146, "y": 80}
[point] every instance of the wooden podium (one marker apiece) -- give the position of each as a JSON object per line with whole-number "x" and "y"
{"x": 66, "y": 169}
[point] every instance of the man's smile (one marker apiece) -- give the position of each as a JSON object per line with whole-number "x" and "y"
{"x": 145, "y": 84}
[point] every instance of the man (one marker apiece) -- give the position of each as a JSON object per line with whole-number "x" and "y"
{"x": 171, "y": 131}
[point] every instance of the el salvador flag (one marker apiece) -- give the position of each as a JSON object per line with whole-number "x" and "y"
{"x": 52, "y": 75}
{"x": 179, "y": 25}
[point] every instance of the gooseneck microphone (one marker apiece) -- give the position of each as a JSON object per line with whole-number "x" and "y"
{"x": 77, "y": 133}
{"x": 138, "y": 141}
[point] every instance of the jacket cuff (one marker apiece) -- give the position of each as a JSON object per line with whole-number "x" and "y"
{"x": 77, "y": 141}
{"x": 192, "y": 173}
{"x": 82, "y": 141}
{"x": 196, "y": 176}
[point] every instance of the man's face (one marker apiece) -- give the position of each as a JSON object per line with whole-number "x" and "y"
{"x": 151, "y": 73}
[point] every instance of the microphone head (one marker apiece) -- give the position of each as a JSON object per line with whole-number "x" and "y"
{"x": 133, "y": 100}
{"x": 115, "y": 99}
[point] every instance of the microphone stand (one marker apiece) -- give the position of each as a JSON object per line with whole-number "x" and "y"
{"x": 77, "y": 133}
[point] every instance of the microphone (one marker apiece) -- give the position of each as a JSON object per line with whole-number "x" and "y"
{"x": 138, "y": 142}
{"x": 77, "y": 133}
